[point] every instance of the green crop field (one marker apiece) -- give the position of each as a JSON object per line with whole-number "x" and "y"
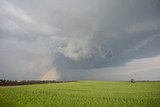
{"x": 82, "y": 94}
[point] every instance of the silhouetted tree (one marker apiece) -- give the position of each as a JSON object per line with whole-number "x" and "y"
{"x": 132, "y": 80}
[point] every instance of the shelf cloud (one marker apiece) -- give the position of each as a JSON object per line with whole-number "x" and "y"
{"x": 80, "y": 39}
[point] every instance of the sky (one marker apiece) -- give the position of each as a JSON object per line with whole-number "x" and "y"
{"x": 80, "y": 39}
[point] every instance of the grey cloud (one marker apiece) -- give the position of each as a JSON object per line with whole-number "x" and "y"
{"x": 76, "y": 35}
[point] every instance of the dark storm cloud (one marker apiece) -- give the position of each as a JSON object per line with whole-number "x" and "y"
{"x": 74, "y": 38}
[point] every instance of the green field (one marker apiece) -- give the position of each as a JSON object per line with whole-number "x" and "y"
{"x": 82, "y": 94}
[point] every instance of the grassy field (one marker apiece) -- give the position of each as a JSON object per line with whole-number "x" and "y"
{"x": 82, "y": 94}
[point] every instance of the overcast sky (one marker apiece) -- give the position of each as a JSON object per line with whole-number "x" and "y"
{"x": 80, "y": 39}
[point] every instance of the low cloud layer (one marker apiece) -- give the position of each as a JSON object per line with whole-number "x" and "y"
{"x": 79, "y": 39}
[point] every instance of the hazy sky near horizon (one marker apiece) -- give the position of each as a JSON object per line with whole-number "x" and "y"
{"x": 80, "y": 39}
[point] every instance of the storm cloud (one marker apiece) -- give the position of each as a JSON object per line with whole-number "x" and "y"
{"x": 80, "y": 39}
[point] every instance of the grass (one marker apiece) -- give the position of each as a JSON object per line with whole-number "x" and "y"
{"x": 82, "y": 94}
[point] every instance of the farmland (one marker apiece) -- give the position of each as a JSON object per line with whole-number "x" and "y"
{"x": 82, "y": 94}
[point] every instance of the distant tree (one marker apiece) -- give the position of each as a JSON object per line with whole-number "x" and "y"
{"x": 132, "y": 80}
